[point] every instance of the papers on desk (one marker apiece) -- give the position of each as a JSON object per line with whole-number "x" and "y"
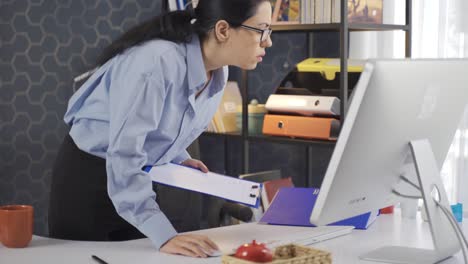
{"x": 229, "y": 188}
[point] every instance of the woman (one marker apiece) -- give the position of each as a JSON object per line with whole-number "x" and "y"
{"x": 155, "y": 91}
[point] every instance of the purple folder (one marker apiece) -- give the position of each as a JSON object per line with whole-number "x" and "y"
{"x": 293, "y": 206}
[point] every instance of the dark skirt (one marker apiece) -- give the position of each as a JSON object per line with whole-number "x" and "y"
{"x": 80, "y": 208}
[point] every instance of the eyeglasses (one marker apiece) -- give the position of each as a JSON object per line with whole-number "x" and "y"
{"x": 265, "y": 32}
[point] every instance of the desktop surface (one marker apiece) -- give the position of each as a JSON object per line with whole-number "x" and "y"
{"x": 387, "y": 229}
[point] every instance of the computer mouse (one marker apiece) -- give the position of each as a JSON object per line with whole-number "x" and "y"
{"x": 215, "y": 253}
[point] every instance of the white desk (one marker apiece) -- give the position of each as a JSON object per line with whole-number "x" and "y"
{"x": 387, "y": 230}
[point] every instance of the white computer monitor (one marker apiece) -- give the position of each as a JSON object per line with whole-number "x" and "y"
{"x": 394, "y": 103}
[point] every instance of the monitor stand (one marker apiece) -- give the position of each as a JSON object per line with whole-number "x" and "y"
{"x": 443, "y": 236}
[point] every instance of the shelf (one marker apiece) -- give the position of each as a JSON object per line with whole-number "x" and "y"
{"x": 213, "y": 134}
{"x": 305, "y": 27}
{"x": 287, "y": 140}
{"x": 377, "y": 27}
{"x": 336, "y": 27}
{"x": 342, "y": 29}
{"x": 284, "y": 140}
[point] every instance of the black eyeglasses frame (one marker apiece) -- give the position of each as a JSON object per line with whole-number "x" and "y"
{"x": 259, "y": 30}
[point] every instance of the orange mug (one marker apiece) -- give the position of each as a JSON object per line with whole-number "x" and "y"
{"x": 16, "y": 225}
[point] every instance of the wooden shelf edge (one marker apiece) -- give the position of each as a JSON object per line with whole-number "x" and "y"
{"x": 305, "y": 27}
{"x": 276, "y": 139}
{"x": 336, "y": 27}
{"x": 215, "y": 134}
{"x": 377, "y": 27}
{"x": 288, "y": 140}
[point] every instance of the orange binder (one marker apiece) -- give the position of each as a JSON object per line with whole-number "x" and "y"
{"x": 301, "y": 126}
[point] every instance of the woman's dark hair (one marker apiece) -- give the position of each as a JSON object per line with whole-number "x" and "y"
{"x": 178, "y": 26}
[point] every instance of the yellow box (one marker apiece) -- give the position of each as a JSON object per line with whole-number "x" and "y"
{"x": 328, "y": 67}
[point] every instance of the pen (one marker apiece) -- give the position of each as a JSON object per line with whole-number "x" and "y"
{"x": 101, "y": 261}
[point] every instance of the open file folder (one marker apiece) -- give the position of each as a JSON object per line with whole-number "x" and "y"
{"x": 229, "y": 188}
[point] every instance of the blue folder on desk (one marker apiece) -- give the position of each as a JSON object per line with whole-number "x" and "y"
{"x": 293, "y": 206}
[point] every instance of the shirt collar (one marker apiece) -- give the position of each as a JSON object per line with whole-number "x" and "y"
{"x": 196, "y": 69}
{"x": 196, "y": 73}
{"x": 218, "y": 80}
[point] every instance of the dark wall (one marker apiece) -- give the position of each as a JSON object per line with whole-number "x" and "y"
{"x": 44, "y": 44}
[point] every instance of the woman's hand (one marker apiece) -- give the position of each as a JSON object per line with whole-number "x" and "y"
{"x": 190, "y": 245}
{"x": 195, "y": 164}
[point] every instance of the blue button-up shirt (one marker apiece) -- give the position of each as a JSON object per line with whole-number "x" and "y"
{"x": 139, "y": 109}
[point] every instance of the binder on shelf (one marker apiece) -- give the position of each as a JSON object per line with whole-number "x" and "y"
{"x": 301, "y": 126}
{"x": 324, "y": 12}
{"x": 271, "y": 187}
{"x": 319, "y": 11}
{"x": 293, "y": 206}
{"x": 304, "y": 105}
{"x": 303, "y": 12}
{"x": 229, "y": 188}
{"x": 225, "y": 117}
{"x": 310, "y": 11}
{"x": 336, "y": 11}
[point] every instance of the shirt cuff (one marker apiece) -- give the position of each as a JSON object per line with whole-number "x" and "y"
{"x": 158, "y": 229}
{"x": 181, "y": 157}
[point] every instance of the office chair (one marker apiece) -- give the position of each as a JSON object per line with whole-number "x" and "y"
{"x": 261, "y": 177}
{"x": 223, "y": 213}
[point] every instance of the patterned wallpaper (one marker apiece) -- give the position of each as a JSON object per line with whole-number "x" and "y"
{"x": 45, "y": 43}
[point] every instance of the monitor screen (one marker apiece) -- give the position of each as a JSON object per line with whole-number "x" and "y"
{"x": 394, "y": 102}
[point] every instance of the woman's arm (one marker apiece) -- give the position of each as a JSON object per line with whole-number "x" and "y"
{"x": 135, "y": 109}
